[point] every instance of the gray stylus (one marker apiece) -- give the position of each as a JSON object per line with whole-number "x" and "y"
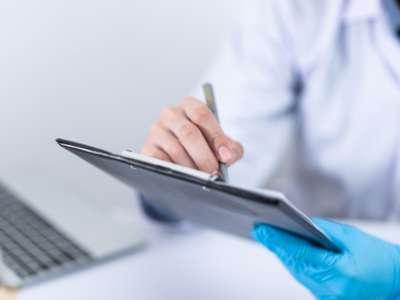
{"x": 212, "y": 105}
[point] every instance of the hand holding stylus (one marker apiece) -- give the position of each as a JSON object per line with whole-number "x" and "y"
{"x": 189, "y": 134}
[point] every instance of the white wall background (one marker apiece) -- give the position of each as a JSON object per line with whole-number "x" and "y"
{"x": 96, "y": 71}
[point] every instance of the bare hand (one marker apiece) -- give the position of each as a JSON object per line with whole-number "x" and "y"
{"x": 190, "y": 135}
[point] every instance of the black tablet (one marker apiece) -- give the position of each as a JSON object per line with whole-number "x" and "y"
{"x": 199, "y": 198}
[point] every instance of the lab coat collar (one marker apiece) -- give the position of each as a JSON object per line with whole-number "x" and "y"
{"x": 359, "y": 10}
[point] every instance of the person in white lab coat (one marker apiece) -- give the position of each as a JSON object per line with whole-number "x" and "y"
{"x": 317, "y": 81}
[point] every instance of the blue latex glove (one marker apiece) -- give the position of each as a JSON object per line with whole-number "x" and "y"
{"x": 367, "y": 267}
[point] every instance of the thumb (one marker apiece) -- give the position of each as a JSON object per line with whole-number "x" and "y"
{"x": 228, "y": 150}
{"x": 293, "y": 251}
{"x": 341, "y": 234}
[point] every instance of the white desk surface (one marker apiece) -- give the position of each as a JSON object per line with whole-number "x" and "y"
{"x": 197, "y": 265}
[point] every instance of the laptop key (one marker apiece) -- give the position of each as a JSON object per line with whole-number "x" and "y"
{"x": 31, "y": 246}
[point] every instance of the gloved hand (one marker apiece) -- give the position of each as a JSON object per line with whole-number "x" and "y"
{"x": 367, "y": 267}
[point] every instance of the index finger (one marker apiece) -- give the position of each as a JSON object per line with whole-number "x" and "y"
{"x": 201, "y": 115}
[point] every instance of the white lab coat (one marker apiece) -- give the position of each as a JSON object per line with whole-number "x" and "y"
{"x": 320, "y": 80}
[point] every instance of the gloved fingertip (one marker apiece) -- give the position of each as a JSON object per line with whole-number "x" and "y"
{"x": 262, "y": 233}
{"x": 254, "y": 233}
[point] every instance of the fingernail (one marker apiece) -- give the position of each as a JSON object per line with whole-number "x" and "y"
{"x": 225, "y": 154}
{"x": 254, "y": 234}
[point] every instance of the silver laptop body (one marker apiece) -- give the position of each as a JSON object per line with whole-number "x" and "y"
{"x": 48, "y": 230}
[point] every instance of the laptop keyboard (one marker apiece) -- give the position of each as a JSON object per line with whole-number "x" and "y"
{"x": 29, "y": 244}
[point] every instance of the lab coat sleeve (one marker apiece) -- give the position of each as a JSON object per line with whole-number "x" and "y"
{"x": 255, "y": 82}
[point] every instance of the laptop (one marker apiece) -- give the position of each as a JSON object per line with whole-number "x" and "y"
{"x": 48, "y": 230}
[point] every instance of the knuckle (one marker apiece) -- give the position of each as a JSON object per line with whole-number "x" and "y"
{"x": 187, "y": 130}
{"x": 200, "y": 114}
{"x": 219, "y": 140}
{"x": 188, "y": 99}
{"x": 175, "y": 152}
{"x": 155, "y": 128}
{"x": 168, "y": 112}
